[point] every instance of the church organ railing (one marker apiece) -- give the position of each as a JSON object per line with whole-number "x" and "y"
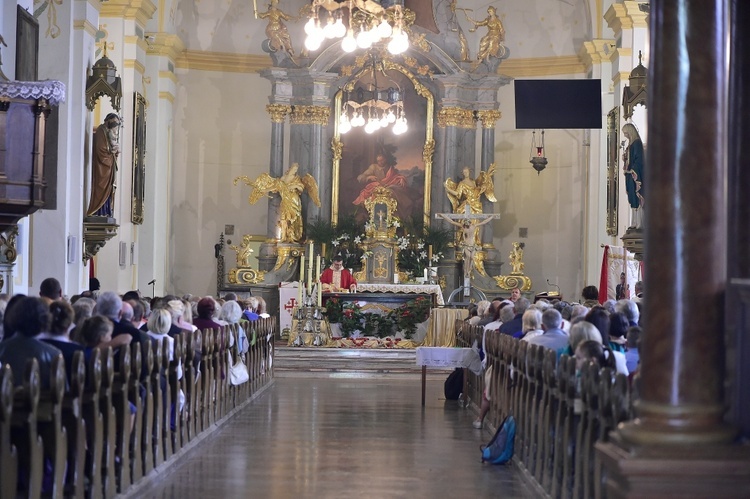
{"x": 558, "y": 423}
{"x": 82, "y": 427}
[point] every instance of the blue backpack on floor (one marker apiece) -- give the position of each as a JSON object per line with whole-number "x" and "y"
{"x": 499, "y": 449}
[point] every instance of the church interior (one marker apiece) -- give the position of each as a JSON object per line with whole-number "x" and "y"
{"x": 200, "y": 147}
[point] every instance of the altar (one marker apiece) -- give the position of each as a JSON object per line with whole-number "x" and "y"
{"x": 403, "y": 292}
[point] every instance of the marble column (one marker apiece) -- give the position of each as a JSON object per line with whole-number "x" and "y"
{"x": 309, "y": 148}
{"x": 278, "y": 114}
{"x": 487, "y": 157}
{"x": 457, "y": 128}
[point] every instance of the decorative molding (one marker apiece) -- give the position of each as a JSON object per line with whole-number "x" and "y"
{"x": 96, "y": 232}
{"x": 617, "y": 18}
{"x": 167, "y": 96}
{"x": 489, "y": 117}
{"x": 222, "y": 61}
{"x": 456, "y": 117}
{"x": 134, "y": 64}
{"x": 138, "y": 41}
{"x": 638, "y": 18}
{"x": 309, "y": 115}
{"x": 165, "y": 44}
{"x": 596, "y": 51}
{"x": 86, "y": 26}
{"x": 8, "y": 249}
{"x": 168, "y": 75}
{"x": 542, "y": 66}
{"x": 278, "y": 112}
{"x": 141, "y": 11}
{"x": 620, "y": 77}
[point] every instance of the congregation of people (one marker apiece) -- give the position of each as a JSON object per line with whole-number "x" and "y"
{"x": 607, "y": 334}
{"x": 51, "y": 329}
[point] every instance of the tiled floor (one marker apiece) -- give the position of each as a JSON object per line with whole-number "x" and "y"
{"x": 342, "y": 437}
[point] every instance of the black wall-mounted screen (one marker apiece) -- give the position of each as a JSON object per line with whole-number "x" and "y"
{"x": 558, "y": 103}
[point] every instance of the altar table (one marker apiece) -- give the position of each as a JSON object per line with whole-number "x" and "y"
{"x": 432, "y": 289}
{"x": 465, "y": 358}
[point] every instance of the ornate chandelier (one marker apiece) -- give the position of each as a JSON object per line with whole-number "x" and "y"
{"x": 374, "y": 107}
{"x": 369, "y": 23}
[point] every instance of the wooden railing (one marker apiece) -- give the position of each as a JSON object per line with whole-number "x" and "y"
{"x": 80, "y": 431}
{"x": 558, "y": 423}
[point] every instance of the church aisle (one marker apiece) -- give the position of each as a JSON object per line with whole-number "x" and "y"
{"x": 342, "y": 437}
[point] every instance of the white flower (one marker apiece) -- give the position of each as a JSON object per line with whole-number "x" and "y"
{"x": 420, "y": 244}
{"x": 345, "y": 237}
{"x": 357, "y": 240}
{"x": 335, "y": 242}
{"x": 435, "y": 258}
{"x": 403, "y": 245}
{"x": 396, "y": 224}
{"x": 423, "y": 254}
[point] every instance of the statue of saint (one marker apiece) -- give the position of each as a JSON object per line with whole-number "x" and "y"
{"x": 276, "y": 31}
{"x": 491, "y": 43}
{"x": 468, "y": 192}
{"x": 289, "y": 187}
{"x": 106, "y": 148}
{"x": 456, "y": 28}
{"x": 516, "y": 259}
{"x": 632, "y": 165}
{"x": 243, "y": 252}
{"x": 469, "y": 237}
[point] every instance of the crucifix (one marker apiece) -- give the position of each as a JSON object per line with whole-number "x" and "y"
{"x": 470, "y": 241}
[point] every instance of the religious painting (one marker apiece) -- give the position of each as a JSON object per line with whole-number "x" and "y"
{"x": 365, "y": 161}
{"x": 139, "y": 158}
{"x": 613, "y": 158}
{"x": 27, "y": 46}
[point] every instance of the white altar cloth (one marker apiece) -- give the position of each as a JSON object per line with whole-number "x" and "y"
{"x": 432, "y": 289}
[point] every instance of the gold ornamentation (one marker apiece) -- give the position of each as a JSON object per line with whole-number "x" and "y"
{"x": 246, "y": 276}
{"x": 286, "y": 253}
{"x": 381, "y": 270}
{"x": 338, "y": 149}
{"x": 278, "y": 112}
{"x": 381, "y": 206}
{"x": 428, "y": 151}
{"x": 289, "y": 187}
{"x": 422, "y": 70}
{"x": 468, "y": 192}
{"x": 419, "y": 41}
{"x": 516, "y": 259}
{"x": 8, "y": 244}
{"x": 310, "y": 115}
{"x": 521, "y": 282}
{"x": 489, "y": 117}
{"x": 360, "y": 276}
{"x": 95, "y": 236}
{"x": 243, "y": 251}
{"x": 491, "y": 44}
{"x": 456, "y": 117}
{"x": 276, "y": 31}
{"x": 346, "y": 70}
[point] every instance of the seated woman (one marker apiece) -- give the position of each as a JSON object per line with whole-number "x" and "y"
{"x": 25, "y": 320}
{"x": 59, "y": 333}
{"x": 96, "y": 332}
{"x": 531, "y": 324}
{"x": 206, "y": 308}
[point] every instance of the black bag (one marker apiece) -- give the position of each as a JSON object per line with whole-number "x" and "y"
{"x": 454, "y": 385}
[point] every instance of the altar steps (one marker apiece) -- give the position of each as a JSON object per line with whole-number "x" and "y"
{"x": 312, "y": 362}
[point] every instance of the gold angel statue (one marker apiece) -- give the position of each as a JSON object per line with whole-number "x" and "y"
{"x": 491, "y": 43}
{"x": 243, "y": 252}
{"x": 276, "y": 31}
{"x": 468, "y": 192}
{"x": 289, "y": 187}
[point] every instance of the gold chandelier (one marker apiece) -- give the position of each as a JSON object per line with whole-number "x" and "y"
{"x": 369, "y": 23}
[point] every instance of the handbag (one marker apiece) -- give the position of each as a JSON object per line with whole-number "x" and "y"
{"x": 238, "y": 373}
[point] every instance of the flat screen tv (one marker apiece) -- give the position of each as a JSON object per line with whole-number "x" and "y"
{"x": 558, "y": 104}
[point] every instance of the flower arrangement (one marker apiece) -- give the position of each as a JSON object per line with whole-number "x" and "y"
{"x": 410, "y": 314}
{"x": 344, "y": 238}
{"x": 414, "y": 244}
{"x": 405, "y": 318}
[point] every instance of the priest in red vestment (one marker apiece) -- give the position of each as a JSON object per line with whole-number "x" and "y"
{"x": 336, "y": 278}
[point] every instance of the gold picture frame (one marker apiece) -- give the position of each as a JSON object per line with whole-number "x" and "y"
{"x": 419, "y": 142}
{"x": 138, "y": 186}
{"x": 613, "y": 161}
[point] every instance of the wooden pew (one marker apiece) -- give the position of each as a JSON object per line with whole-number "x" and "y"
{"x": 157, "y": 403}
{"x": 75, "y": 427}
{"x": 8, "y": 454}
{"x": 207, "y": 380}
{"x": 120, "y": 395}
{"x": 94, "y": 424}
{"x": 134, "y": 396}
{"x": 50, "y": 427}
{"x": 177, "y": 385}
{"x": 25, "y": 436}
{"x": 109, "y": 424}
{"x": 147, "y": 430}
{"x": 193, "y": 384}
{"x": 166, "y": 404}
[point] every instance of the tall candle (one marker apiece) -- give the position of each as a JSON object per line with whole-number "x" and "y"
{"x": 301, "y": 277}
{"x": 310, "y": 268}
{"x": 323, "y": 250}
{"x": 320, "y": 293}
{"x": 317, "y": 268}
{"x": 429, "y": 255}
